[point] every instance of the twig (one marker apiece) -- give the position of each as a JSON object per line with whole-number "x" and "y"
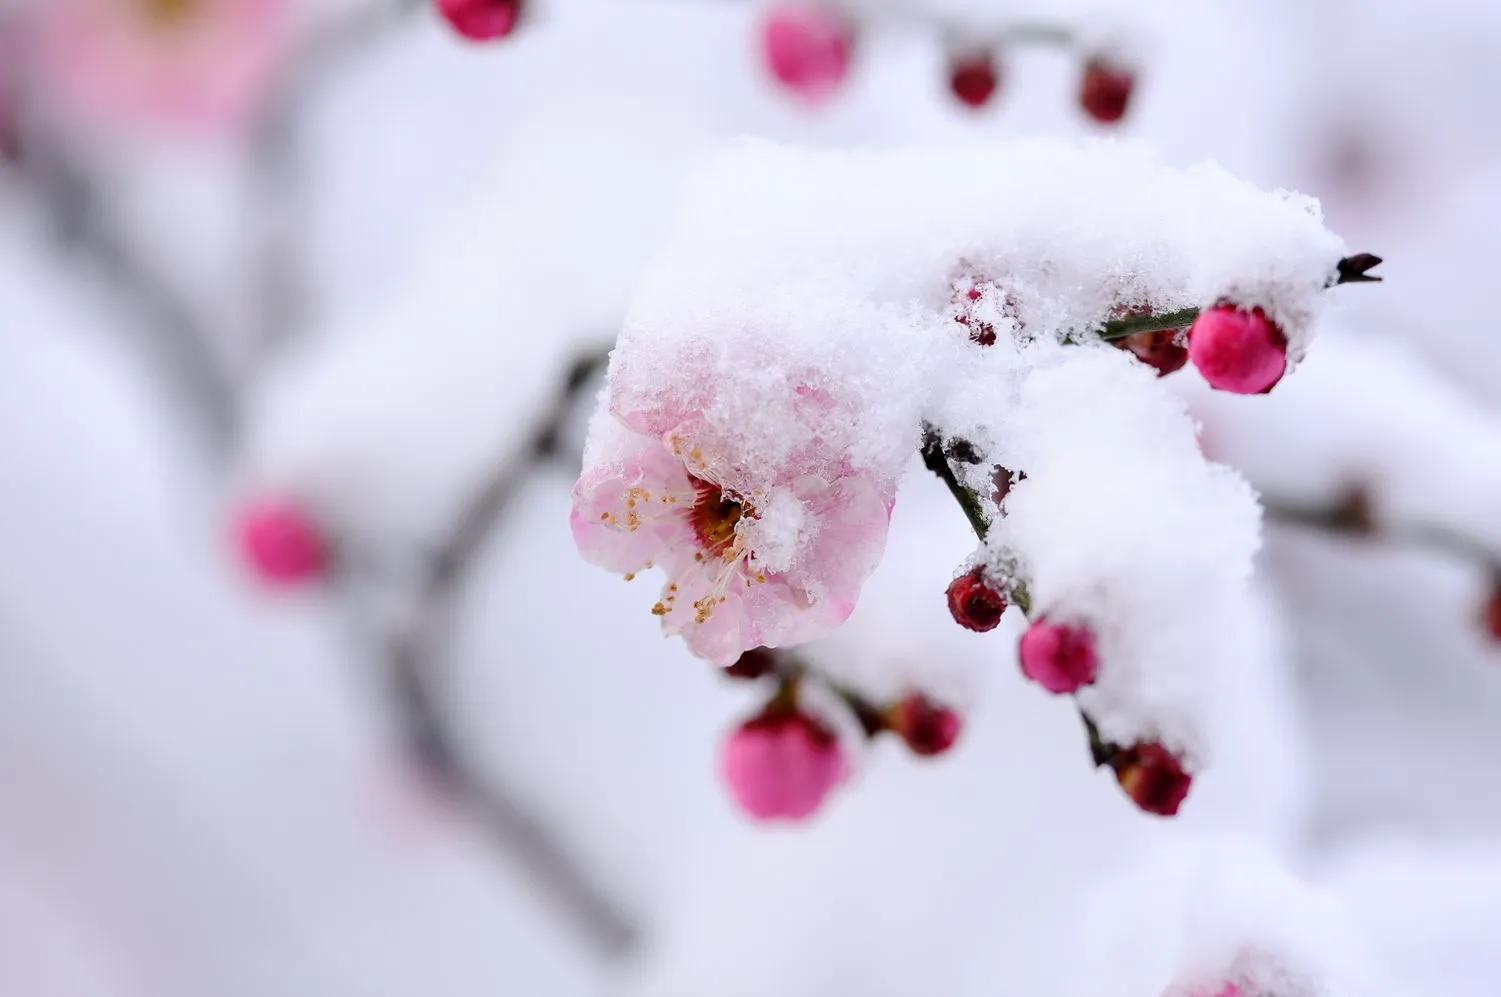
{"x": 276, "y": 168}
{"x": 415, "y": 659}
{"x": 170, "y": 334}
{"x": 1352, "y": 517}
{"x": 1350, "y": 270}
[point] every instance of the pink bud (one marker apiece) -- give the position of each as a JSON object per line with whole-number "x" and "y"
{"x": 1057, "y": 657}
{"x": 927, "y": 727}
{"x": 481, "y": 20}
{"x": 973, "y": 78}
{"x": 281, "y": 543}
{"x": 807, "y": 49}
{"x": 975, "y": 603}
{"x": 1105, "y": 91}
{"x": 1236, "y": 350}
{"x": 781, "y": 764}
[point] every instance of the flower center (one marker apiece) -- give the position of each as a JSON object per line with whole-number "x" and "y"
{"x": 714, "y": 516}
{"x": 168, "y": 13}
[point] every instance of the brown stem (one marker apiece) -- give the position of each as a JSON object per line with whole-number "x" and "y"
{"x": 1350, "y": 270}
{"x": 1353, "y": 517}
{"x": 169, "y": 333}
{"x": 415, "y": 659}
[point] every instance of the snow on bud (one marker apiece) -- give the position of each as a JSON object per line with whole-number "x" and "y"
{"x": 1238, "y": 350}
{"x": 928, "y": 728}
{"x": 807, "y": 49}
{"x": 1153, "y": 777}
{"x": 782, "y": 763}
{"x": 1058, "y": 657}
{"x": 975, "y": 602}
{"x": 1105, "y": 90}
{"x": 281, "y": 543}
{"x": 481, "y": 20}
{"x": 973, "y": 78}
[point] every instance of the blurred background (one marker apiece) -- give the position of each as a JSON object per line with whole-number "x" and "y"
{"x": 304, "y": 689}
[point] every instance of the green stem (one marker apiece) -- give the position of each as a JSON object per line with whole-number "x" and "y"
{"x": 938, "y": 462}
{"x": 1122, "y": 327}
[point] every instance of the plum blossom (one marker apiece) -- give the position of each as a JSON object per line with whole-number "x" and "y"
{"x": 200, "y": 65}
{"x": 780, "y": 566}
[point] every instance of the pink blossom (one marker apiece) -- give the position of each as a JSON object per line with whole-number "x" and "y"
{"x": 1060, "y": 658}
{"x": 197, "y": 64}
{"x": 807, "y": 49}
{"x": 281, "y": 543}
{"x": 781, "y": 764}
{"x": 743, "y": 571}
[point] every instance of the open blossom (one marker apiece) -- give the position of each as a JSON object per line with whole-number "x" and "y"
{"x": 202, "y": 64}
{"x": 743, "y": 571}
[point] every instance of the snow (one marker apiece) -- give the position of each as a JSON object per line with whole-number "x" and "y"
{"x": 200, "y": 794}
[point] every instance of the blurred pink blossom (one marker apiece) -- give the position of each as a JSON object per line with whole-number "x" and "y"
{"x": 742, "y": 571}
{"x": 201, "y": 65}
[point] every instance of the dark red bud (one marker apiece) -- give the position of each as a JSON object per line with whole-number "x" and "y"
{"x": 975, "y": 603}
{"x": 927, "y": 727}
{"x": 1105, "y": 91}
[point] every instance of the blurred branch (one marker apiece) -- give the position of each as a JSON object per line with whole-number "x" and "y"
{"x": 1352, "y": 516}
{"x": 415, "y": 657}
{"x": 276, "y": 169}
{"x": 170, "y": 334}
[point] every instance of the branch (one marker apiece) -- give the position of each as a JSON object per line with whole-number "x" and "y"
{"x": 276, "y": 167}
{"x": 176, "y": 344}
{"x": 1353, "y": 517}
{"x": 415, "y": 658}
{"x": 1350, "y": 270}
